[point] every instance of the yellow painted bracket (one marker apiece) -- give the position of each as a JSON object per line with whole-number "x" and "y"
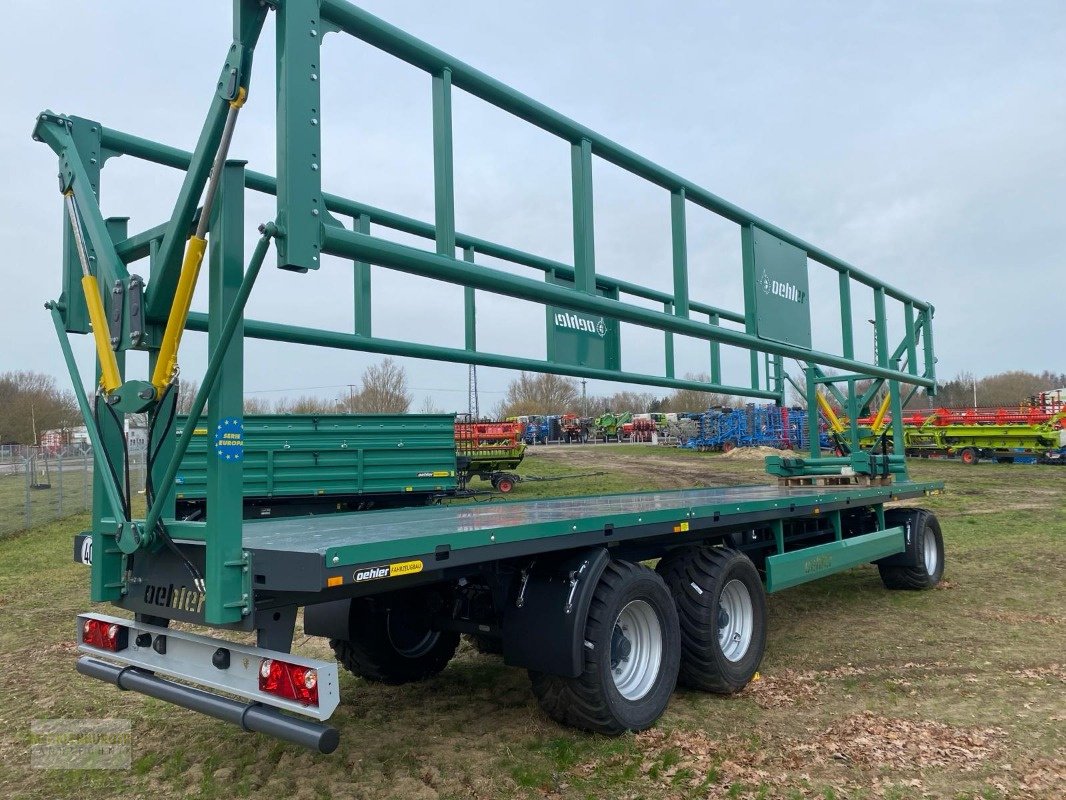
{"x": 167, "y": 361}
{"x": 110, "y": 378}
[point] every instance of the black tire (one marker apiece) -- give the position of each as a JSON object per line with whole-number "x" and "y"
{"x": 969, "y": 455}
{"x": 698, "y": 577}
{"x": 592, "y": 701}
{"x": 390, "y": 640}
{"x": 915, "y": 572}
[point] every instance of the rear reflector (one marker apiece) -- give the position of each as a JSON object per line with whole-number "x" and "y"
{"x": 104, "y": 635}
{"x": 291, "y": 681}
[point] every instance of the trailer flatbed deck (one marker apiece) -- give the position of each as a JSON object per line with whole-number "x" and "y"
{"x": 465, "y": 534}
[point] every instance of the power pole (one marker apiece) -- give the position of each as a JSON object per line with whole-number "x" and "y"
{"x": 351, "y": 398}
{"x": 584, "y": 399}
{"x": 471, "y": 394}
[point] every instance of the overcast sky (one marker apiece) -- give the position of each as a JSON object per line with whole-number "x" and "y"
{"x": 924, "y": 142}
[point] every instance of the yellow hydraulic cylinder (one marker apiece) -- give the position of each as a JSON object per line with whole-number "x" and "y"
{"x": 109, "y": 374}
{"x": 167, "y": 361}
{"x": 880, "y": 418}
{"x": 834, "y": 420}
{"x": 110, "y": 377}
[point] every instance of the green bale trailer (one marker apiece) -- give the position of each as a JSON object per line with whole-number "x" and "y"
{"x": 565, "y": 586}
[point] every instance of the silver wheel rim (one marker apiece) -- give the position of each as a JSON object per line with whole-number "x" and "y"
{"x": 736, "y": 620}
{"x": 929, "y": 552}
{"x": 636, "y": 649}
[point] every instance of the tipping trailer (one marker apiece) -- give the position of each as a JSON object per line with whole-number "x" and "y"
{"x": 296, "y": 464}
{"x": 562, "y": 584}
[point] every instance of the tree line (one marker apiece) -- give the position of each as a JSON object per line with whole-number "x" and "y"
{"x": 32, "y": 402}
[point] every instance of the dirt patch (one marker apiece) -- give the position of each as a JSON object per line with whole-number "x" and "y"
{"x": 756, "y": 453}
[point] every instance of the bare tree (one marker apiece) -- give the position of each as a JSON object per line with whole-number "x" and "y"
{"x": 305, "y": 404}
{"x": 256, "y": 405}
{"x": 693, "y": 400}
{"x": 384, "y": 390}
{"x": 186, "y": 394}
{"x": 543, "y": 393}
{"x": 31, "y": 402}
{"x": 429, "y": 406}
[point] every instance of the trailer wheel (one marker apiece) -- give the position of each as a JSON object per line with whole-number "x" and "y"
{"x": 925, "y": 551}
{"x": 390, "y": 639}
{"x": 632, "y": 652}
{"x": 721, "y": 604}
{"x": 505, "y": 483}
{"x": 969, "y": 455}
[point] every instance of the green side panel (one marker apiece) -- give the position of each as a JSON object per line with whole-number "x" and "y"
{"x": 812, "y": 563}
{"x": 582, "y": 339}
{"x": 332, "y": 454}
{"x": 782, "y": 294}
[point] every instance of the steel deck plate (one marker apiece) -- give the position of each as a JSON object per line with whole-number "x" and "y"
{"x": 361, "y": 537}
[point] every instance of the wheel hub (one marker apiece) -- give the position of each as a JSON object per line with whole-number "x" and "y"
{"x": 736, "y": 620}
{"x": 636, "y": 649}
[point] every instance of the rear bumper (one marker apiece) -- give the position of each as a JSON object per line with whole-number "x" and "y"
{"x": 252, "y": 717}
{"x": 225, "y": 688}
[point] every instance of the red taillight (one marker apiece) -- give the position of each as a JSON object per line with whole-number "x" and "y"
{"x": 290, "y": 681}
{"x": 104, "y": 635}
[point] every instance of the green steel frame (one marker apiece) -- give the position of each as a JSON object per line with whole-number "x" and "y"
{"x": 310, "y": 224}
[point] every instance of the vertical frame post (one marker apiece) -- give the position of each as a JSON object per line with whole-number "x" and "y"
{"x": 443, "y": 175}
{"x": 751, "y": 325}
{"x": 880, "y": 328}
{"x": 584, "y": 234}
{"x": 668, "y": 308}
{"x": 363, "y": 313}
{"x": 912, "y": 339}
{"x": 679, "y": 243}
{"x": 927, "y": 342}
{"x": 716, "y": 353}
{"x": 225, "y": 564}
{"x": 847, "y": 333}
{"x": 469, "y": 308}
{"x": 301, "y": 209}
{"x": 813, "y": 428}
{"x": 106, "y": 578}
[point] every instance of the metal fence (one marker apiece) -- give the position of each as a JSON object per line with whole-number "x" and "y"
{"x": 39, "y": 485}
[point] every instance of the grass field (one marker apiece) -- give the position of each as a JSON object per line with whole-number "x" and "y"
{"x": 958, "y": 692}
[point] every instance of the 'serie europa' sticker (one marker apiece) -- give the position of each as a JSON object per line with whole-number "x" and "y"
{"x": 229, "y": 439}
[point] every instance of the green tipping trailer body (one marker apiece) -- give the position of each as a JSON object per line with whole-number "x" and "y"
{"x": 308, "y": 463}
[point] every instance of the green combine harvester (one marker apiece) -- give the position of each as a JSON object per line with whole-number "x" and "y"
{"x": 560, "y": 585}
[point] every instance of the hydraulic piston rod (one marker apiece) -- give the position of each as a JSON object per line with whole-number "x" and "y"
{"x": 166, "y": 365}
{"x": 110, "y": 378}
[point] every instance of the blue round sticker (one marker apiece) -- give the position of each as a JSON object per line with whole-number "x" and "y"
{"x": 229, "y": 439}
